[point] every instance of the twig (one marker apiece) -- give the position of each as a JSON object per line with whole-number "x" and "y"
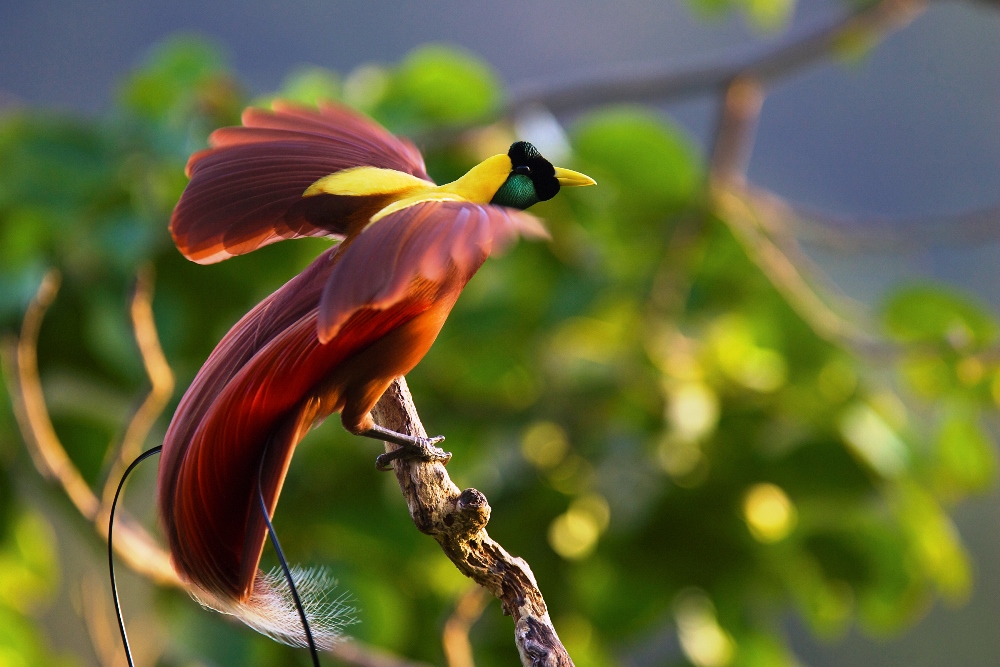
{"x": 737, "y": 127}
{"x": 455, "y": 638}
{"x": 887, "y": 235}
{"x": 29, "y": 403}
{"x": 161, "y": 380}
{"x": 659, "y": 83}
{"x": 664, "y": 83}
{"x": 99, "y": 618}
{"x": 739, "y": 212}
{"x": 103, "y": 636}
{"x": 730, "y": 154}
{"x": 778, "y": 220}
{"x": 749, "y": 214}
{"x": 457, "y": 520}
{"x": 354, "y": 652}
{"x": 20, "y": 363}
{"x": 133, "y": 544}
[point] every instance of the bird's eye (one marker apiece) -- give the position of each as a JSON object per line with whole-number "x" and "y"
{"x": 523, "y": 169}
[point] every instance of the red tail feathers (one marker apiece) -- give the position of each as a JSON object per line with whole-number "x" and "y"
{"x": 331, "y": 339}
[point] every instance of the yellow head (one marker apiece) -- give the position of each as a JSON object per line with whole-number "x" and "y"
{"x": 518, "y": 179}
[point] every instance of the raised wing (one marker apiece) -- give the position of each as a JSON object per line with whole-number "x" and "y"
{"x": 246, "y": 190}
{"x": 431, "y": 242}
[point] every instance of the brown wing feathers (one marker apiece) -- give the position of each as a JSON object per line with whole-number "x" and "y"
{"x": 429, "y": 241}
{"x": 246, "y": 190}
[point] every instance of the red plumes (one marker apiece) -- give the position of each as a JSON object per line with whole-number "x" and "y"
{"x": 332, "y": 339}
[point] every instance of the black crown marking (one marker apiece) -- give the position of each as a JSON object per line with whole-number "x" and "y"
{"x": 522, "y": 152}
{"x": 525, "y": 159}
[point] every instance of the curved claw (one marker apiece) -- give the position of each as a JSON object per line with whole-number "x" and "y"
{"x": 423, "y": 449}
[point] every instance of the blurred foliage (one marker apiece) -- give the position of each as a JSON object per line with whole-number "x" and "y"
{"x": 668, "y": 444}
{"x": 29, "y": 574}
{"x": 764, "y": 15}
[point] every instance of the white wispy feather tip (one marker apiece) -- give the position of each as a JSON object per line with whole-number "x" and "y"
{"x": 271, "y": 609}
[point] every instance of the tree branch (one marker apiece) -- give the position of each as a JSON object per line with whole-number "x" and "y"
{"x": 894, "y": 235}
{"x": 737, "y": 128}
{"x": 20, "y": 364}
{"x": 457, "y": 520}
{"x": 749, "y": 214}
{"x": 161, "y": 380}
{"x": 28, "y": 401}
{"x": 455, "y": 638}
{"x": 657, "y": 83}
{"x": 102, "y": 626}
{"x": 354, "y": 652}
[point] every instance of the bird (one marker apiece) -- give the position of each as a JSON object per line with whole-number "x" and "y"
{"x": 334, "y": 337}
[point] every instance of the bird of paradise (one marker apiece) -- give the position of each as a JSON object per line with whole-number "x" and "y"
{"x": 330, "y": 340}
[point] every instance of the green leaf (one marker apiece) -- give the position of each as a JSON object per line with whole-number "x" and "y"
{"x": 309, "y": 85}
{"x": 444, "y": 84}
{"x": 769, "y": 14}
{"x": 927, "y": 374}
{"x": 966, "y": 453}
{"x": 712, "y": 9}
{"x": 826, "y": 602}
{"x": 894, "y": 593}
{"x": 766, "y": 15}
{"x": 934, "y": 543}
{"x": 174, "y": 75}
{"x": 763, "y": 650}
{"x": 643, "y": 154}
{"x": 935, "y": 314}
{"x": 874, "y": 440}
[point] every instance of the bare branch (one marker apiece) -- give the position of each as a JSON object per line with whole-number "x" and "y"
{"x": 455, "y": 638}
{"x": 102, "y": 627}
{"x": 664, "y": 83}
{"x": 160, "y": 376}
{"x": 889, "y": 235}
{"x": 103, "y": 636}
{"x": 29, "y": 404}
{"x": 20, "y": 364}
{"x": 734, "y": 138}
{"x": 354, "y": 652}
{"x": 457, "y": 520}
{"x": 659, "y": 83}
{"x": 754, "y": 217}
{"x": 745, "y": 215}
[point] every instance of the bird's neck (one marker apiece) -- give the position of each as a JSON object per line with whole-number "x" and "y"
{"x": 480, "y": 183}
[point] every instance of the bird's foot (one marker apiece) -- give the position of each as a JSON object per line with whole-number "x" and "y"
{"x": 424, "y": 449}
{"x": 410, "y": 447}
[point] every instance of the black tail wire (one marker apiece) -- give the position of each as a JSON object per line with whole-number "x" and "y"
{"x": 111, "y": 553}
{"x": 284, "y": 566}
{"x": 270, "y": 530}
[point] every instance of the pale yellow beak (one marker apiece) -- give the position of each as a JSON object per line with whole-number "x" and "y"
{"x": 569, "y": 179}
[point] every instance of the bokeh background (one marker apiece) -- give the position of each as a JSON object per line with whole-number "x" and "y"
{"x": 695, "y": 475}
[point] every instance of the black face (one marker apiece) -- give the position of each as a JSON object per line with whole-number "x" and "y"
{"x": 529, "y": 162}
{"x": 532, "y": 178}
